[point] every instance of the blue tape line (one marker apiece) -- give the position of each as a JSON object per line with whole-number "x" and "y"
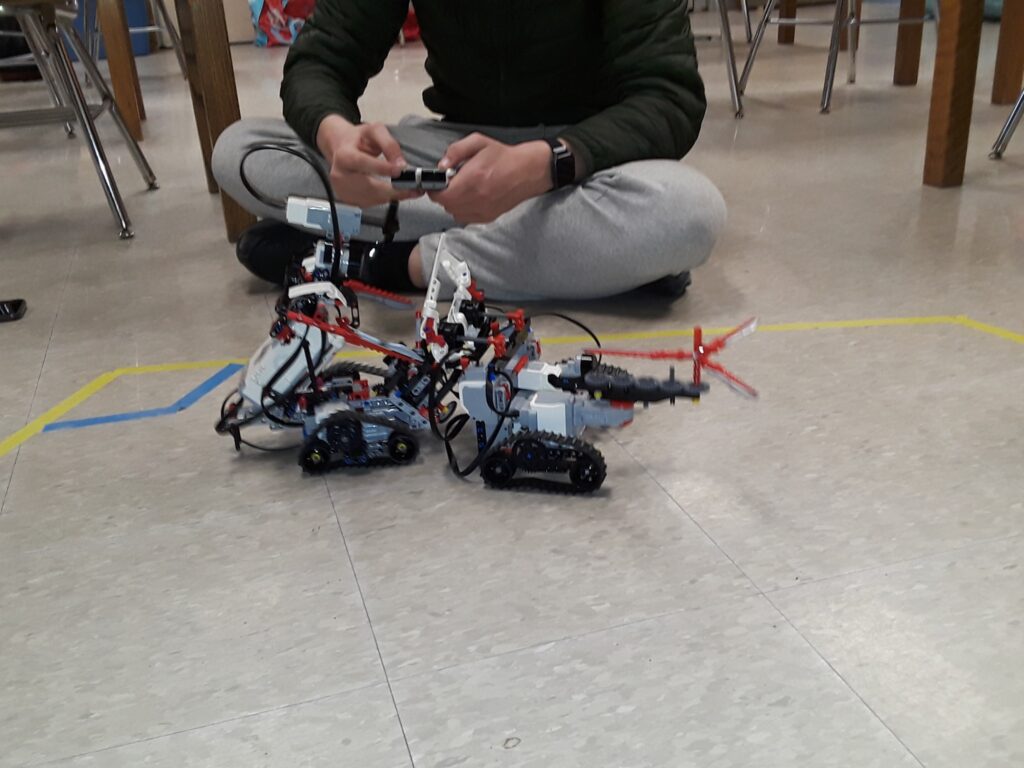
{"x": 187, "y": 401}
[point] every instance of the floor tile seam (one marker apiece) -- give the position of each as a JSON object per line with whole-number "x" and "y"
{"x": 211, "y": 724}
{"x": 675, "y": 502}
{"x": 895, "y": 563}
{"x": 849, "y": 686}
{"x": 42, "y": 367}
{"x": 369, "y": 622}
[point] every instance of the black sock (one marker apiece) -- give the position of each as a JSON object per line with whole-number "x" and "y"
{"x": 382, "y": 265}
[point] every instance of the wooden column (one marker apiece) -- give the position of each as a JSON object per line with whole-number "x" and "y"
{"x": 908, "y": 43}
{"x": 956, "y": 68}
{"x": 211, "y": 79}
{"x": 787, "y": 33}
{"x": 1010, "y": 57}
{"x": 124, "y": 77}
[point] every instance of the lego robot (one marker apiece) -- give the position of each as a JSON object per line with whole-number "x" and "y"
{"x": 353, "y": 414}
{"x": 529, "y": 416}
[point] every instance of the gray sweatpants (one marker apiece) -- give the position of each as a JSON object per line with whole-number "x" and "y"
{"x": 620, "y": 229}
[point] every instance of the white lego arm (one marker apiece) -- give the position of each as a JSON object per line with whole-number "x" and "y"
{"x": 458, "y": 271}
{"x": 326, "y": 290}
{"x": 429, "y": 319}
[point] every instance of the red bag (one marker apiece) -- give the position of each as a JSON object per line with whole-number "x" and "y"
{"x": 277, "y": 22}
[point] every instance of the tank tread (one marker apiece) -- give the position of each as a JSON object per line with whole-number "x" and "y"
{"x": 319, "y": 455}
{"x": 580, "y": 462}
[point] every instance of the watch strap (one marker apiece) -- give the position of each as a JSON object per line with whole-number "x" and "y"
{"x": 563, "y": 164}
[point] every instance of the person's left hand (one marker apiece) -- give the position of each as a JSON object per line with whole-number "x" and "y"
{"x": 492, "y": 177}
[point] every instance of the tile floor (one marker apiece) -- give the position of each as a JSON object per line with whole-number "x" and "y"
{"x": 827, "y": 577}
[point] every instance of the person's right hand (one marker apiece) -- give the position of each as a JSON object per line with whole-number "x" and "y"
{"x": 359, "y": 155}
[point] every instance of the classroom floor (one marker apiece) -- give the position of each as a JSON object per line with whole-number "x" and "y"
{"x": 829, "y": 576}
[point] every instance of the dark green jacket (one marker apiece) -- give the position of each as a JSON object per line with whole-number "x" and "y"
{"x": 622, "y": 73}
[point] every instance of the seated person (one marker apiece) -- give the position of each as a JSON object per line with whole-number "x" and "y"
{"x": 565, "y": 120}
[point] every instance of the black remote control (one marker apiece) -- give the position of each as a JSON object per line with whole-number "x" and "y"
{"x": 423, "y": 179}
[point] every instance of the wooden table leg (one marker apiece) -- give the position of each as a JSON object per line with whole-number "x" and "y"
{"x": 211, "y": 77}
{"x": 1010, "y": 57}
{"x": 908, "y": 43}
{"x": 124, "y": 77}
{"x": 956, "y": 69}
{"x": 787, "y": 32}
{"x": 186, "y": 29}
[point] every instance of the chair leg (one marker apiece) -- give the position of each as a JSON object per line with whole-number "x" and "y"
{"x": 755, "y": 44}
{"x": 729, "y": 53}
{"x": 101, "y": 85}
{"x": 35, "y": 37}
{"x": 853, "y": 37}
{"x": 747, "y": 28}
{"x": 1008, "y": 130}
{"x": 74, "y": 89}
{"x": 833, "y": 56}
{"x": 160, "y": 11}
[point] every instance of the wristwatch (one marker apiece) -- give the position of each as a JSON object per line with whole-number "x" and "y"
{"x": 563, "y": 164}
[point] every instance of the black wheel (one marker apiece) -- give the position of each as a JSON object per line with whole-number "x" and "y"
{"x": 345, "y": 435}
{"x": 315, "y": 456}
{"x": 402, "y": 448}
{"x": 497, "y": 470}
{"x": 530, "y": 454}
{"x": 587, "y": 473}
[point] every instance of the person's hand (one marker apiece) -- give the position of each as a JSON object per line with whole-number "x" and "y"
{"x": 492, "y": 177}
{"x": 359, "y": 155}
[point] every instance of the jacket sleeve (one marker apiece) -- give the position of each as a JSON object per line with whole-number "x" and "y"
{"x": 342, "y": 45}
{"x": 649, "y": 72}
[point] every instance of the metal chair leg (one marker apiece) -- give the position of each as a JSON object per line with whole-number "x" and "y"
{"x": 755, "y": 44}
{"x": 730, "y": 59}
{"x": 1008, "y": 130}
{"x": 35, "y": 37}
{"x": 74, "y": 89}
{"x": 833, "y": 56}
{"x": 162, "y": 17}
{"x": 101, "y": 85}
{"x": 747, "y": 28}
{"x": 852, "y": 38}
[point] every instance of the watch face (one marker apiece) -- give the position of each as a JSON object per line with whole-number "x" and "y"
{"x": 565, "y": 167}
{"x": 563, "y": 164}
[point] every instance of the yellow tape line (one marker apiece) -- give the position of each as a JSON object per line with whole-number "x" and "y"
{"x": 37, "y": 425}
{"x": 992, "y": 330}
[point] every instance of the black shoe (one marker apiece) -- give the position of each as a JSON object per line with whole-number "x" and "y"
{"x": 382, "y": 265}
{"x": 268, "y": 248}
{"x": 672, "y": 286}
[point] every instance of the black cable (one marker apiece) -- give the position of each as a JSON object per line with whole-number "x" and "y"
{"x": 273, "y": 379}
{"x": 489, "y": 395}
{"x": 268, "y": 449}
{"x": 455, "y": 424}
{"x": 304, "y": 154}
{"x": 574, "y": 321}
